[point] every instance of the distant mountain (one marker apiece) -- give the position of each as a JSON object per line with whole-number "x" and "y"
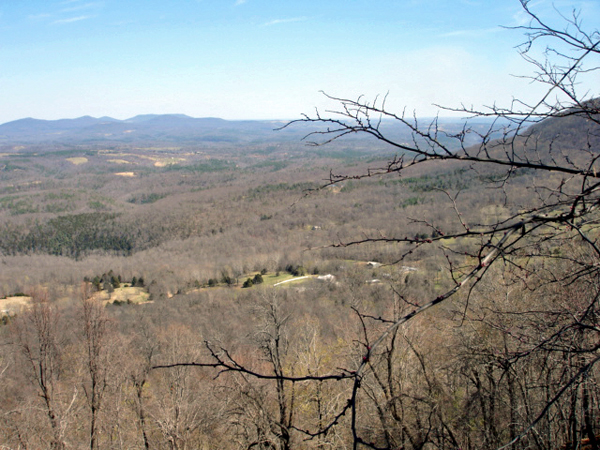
{"x": 171, "y": 128}
{"x": 180, "y": 129}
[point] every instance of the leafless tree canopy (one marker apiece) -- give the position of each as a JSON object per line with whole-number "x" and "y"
{"x": 546, "y": 245}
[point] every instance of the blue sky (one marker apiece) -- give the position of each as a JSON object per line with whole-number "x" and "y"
{"x": 260, "y": 59}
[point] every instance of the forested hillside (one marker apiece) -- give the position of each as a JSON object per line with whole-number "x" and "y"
{"x": 397, "y": 284}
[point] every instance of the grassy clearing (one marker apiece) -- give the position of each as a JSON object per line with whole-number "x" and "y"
{"x": 271, "y": 279}
{"x": 135, "y": 295}
{"x": 168, "y": 162}
{"x": 160, "y": 161}
{"x": 295, "y": 280}
{"x": 77, "y": 160}
{"x": 12, "y": 305}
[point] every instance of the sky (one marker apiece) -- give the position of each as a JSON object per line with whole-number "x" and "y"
{"x": 263, "y": 59}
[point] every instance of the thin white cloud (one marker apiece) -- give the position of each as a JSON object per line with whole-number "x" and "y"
{"x": 471, "y": 32}
{"x": 68, "y": 14}
{"x": 71, "y": 20}
{"x": 521, "y": 18}
{"x": 40, "y": 16}
{"x": 280, "y": 21}
{"x": 240, "y": 2}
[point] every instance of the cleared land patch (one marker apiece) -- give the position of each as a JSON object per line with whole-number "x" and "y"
{"x": 294, "y": 279}
{"x": 12, "y": 305}
{"x": 161, "y": 161}
{"x": 135, "y": 295}
{"x": 164, "y": 162}
{"x": 77, "y": 160}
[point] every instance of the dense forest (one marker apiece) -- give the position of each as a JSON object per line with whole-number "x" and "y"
{"x": 392, "y": 286}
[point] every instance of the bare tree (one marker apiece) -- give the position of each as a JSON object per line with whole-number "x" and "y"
{"x": 97, "y": 340}
{"x": 38, "y": 337}
{"x": 145, "y": 348}
{"x": 273, "y": 340}
{"x": 554, "y": 141}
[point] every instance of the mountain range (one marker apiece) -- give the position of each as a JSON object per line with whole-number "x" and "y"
{"x": 149, "y": 127}
{"x": 185, "y": 130}
{"x": 180, "y": 129}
